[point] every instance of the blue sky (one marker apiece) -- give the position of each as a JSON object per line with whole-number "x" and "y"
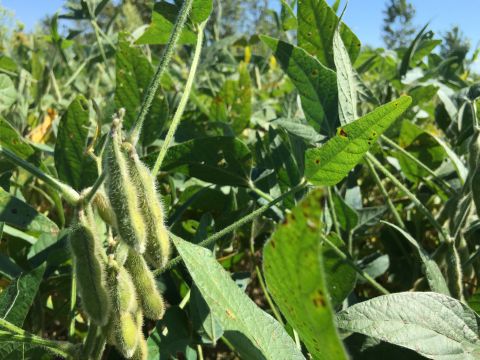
{"x": 363, "y": 16}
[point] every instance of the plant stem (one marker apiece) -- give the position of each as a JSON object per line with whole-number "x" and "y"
{"x": 443, "y": 184}
{"x": 90, "y": 195}
{"x": 259, "y": 192}
{"x": 90, "y": 340}
{"x": 213, "y": 238}
{"x": 185, "y": 300}
{"x": 263, "y": 285}
{"x": 261, "y": 279}
{"x": 200, "y": 352}
{"x": 332, "y": 211}
{"x": 99, "y": 346}
{"x": 14, "y": 333}
{"x": 362, "y": 273}
{"x": 162, "y": 66}
{"x": 99, "y": 42}
{"x": 70, "y": 195}
{"x": 73, "y": 301}
{"x": 412, "y": 197}
{"x": 297, "y": 340}
{"x": 389, "y": 201}
{"x": 183, "y": 101}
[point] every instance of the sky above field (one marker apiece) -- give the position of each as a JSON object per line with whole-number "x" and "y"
{"x": 363, "y": 16}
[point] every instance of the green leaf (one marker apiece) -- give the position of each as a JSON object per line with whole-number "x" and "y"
{"x": 303, "y": 131}
{"x": 422, "y": 146}
{"x": 163, "y": 17}
{"x": 8, "y": 64}
{"x": 220, "y": 160}
{"x": 73, "y": 165}
{"x": 16, "y": 299}
{"x": 234, "y": 102}
{"x": 133, "y": 74}
{"x": 294, "y": 272}
{"x": 15, "y": 212}
{"x": 11, "y": 140}
{"x": 8, "y": 94}
{"x": 347, "y": 92}
{"x": 474, "y": 301}
{"x": 346, "y": 216}
{"x": 316, "y": 84}
{"x": 434, "y": 325}
{"x": 316, "y": 25}
{"x": 203, "y": 321}
{"x": 287, "y": 15}
{"x": 201, "y": 10}
{"x": 339, "y": 275}
{"x": 8, "y": 268}
{"x": 409, "y": 54}
{"x": 233, "y": 309}
{"x": 171, "y": 336}
{"x": 434, "y": 276}
{"x": 330, "y": 163}
{"x": 458, "y": 164}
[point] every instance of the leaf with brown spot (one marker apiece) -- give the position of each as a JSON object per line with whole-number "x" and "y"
{"x": 330, "y": 163}
{"x": 294, "y": 272}
{"x": 234, "y": 310}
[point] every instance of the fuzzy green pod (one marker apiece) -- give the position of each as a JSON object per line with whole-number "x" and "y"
{"x": 87, "y": 249}
{"x": 125, "y": 305}
{"x": 141, "y": 352}
{"x": 150, "y": 299}
{"x": 123, "y": 194}
{"x": 104, "y": 208}
{"x": 158, "y": 242}
{"x": 474, "y": 150}
{"x": 475, "y": 187}
{"x": 126, "y": 334}
{"x": 123, "y": 291}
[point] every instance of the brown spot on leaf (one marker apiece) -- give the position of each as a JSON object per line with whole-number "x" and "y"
{"x": 342, "y": 132}
{"x": 230, "y": 314}
{"x": 318, "y": 299}
{"x": 317, "y": 161}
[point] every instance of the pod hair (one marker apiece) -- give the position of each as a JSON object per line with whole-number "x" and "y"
{"x": 89, "y": 265}
{"x": 104, "y": 208}
{"x": 123, "y": 194}
{"x": 150, "y": 299}
{"x": 158, "y": 242}
{"x": 125, "y": 306}
{"x": 141, "y": 352}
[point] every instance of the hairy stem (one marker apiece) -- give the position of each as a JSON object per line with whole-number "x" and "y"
{"x": 389, "y": 201}
{"x": 16, "y": 334}
{"x": 183, "y": 101}
{"x": 411, "y": 196}
{"x": 70, "y": 195}
{"x": 162, "y": 66}
{"x": 212, "y": 239}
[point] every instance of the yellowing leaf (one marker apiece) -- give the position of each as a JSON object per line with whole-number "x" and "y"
{"x": 40, "y": 133}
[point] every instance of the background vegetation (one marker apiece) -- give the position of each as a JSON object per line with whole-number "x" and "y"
{"x": 395, "y": 240}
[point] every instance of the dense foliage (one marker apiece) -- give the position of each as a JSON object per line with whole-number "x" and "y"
{"x": 290, "y": 194}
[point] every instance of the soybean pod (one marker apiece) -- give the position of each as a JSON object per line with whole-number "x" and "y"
{"x": 89, "y": 265}
{"x": 158, "y": 242}
{"x": 122, "y": 194}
